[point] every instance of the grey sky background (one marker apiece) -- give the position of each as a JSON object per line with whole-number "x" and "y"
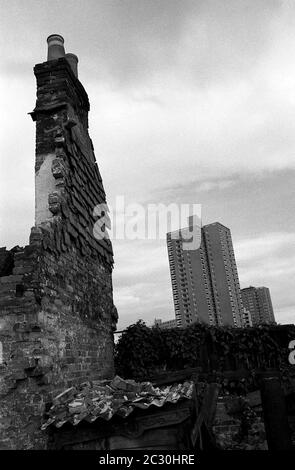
{"x": 191, "y": 102}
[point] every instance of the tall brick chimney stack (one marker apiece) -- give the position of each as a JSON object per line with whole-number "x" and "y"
{"x": 57, "y": 315}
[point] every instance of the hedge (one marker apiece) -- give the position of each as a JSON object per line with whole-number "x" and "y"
{"x": 142, "y": 351}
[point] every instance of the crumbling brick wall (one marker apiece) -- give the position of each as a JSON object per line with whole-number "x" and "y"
{"x": 56, "y": 305}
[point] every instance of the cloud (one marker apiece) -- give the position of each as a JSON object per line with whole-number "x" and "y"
{"x": 141, "y": 280}
{"x": 149, "y": 257}
{"x": 190, "y": 102}
{"x": 266, "y": 245}
{"x": 269, "y": 260}
{"x": 133, "y": 40}
{"x": 194, "y": 187}
{"x": 192, "y": 135}
{"x": 286, "y": 314}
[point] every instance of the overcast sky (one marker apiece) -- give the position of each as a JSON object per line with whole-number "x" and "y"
{"x": 191, "y": 102}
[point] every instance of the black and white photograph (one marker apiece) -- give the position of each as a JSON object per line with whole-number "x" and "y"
{"x": 147, "y": 231}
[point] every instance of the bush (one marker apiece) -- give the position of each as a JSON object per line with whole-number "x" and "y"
{"x": 142, "y": 351}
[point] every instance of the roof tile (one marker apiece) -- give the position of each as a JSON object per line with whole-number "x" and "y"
{"x": 104, "y": 399}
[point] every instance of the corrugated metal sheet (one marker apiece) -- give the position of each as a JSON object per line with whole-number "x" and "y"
{"x": 104, "y": 399}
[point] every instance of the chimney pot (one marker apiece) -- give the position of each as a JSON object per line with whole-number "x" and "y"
{"x": 55, "y": 47}
{"x": 73, "y": 61}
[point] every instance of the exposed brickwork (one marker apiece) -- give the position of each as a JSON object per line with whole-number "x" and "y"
{"x": 56, "y": 308}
